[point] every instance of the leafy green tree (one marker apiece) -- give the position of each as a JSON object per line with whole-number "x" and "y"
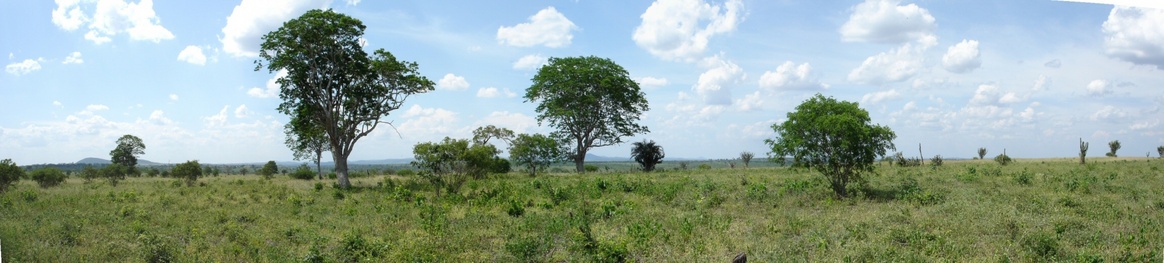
{"x": 48, "y": 176}
{"x": 268, "y": 169}
{"x": 746, "y": 157}
{"x": 89, "y": 173}
{"x": 128, "y": 148}
{"x": 335, "y": 84}
{"x": 188, "y": 171}
{"x": 591, "y": 101}
{"x": 833, "y": 137}
{"x": 536, "y": 152}
{"x": 981, "y": 153}
{"x": 450, "y": 163}
{"x": 647, "y": 154}
{"x": 1115, "y": 146}
{"x": 306, "y": 140}
{"x": 10, "y": 173}
{"x": 1160, "y": 151}
{"x": 303, "y": 173}
{"x": 482, "y": 135}
{"x": 114, "y": 173}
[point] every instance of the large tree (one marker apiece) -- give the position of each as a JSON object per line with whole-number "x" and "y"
{"x": 833, "y": 137}
{"x": 592, "y": 102}
{"x": 128, "y": 148}
{"x": 536, "y": 152}
{"x": 306, "y": 140}
{"x": 330, "y": 76}
{"x": 10, "y": 173}
{"x": 647, "y": 154}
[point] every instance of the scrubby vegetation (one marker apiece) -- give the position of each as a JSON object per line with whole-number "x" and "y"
{"x": 964, "y": 211}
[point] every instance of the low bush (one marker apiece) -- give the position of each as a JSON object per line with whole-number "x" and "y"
{"x": 1002, "y": 159}
{"x": 590, "y": 168}
{"x": 48, "y": 177}
{"x": 303, "y": 173}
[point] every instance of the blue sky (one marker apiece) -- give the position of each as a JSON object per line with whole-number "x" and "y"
{"x": 1032, "y": 77}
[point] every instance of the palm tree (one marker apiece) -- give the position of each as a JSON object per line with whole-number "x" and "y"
{"x": 647, "y": 154}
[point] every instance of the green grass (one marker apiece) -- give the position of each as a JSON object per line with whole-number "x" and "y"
{"x": 965, "y": 211}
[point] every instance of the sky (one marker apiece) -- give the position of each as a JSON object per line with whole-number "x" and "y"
{"x": 1031, "y": 77}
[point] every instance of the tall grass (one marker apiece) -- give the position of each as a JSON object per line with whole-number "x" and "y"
{"x": 965, "y": 211}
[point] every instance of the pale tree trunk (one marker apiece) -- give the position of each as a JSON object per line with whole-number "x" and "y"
{"x": 341, "y": 171}
{"x": 318, "y": 166}
{"x": 580, "y": 159}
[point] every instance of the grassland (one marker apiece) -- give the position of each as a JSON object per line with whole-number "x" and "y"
{"x": 964, "y": 211}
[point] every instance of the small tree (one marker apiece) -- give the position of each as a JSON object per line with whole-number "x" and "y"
{"x": 188, "y": 171}
{"x": 1083, "y": 151}
{"x": 451, "y": 162}
{"x": 303, "y": 173}
{"x": 48, "y": 177}
{"x": 981, "y": 153}
{"x": 1115, "y": 146}
{"x": 1003, "y": 159}
{"x": 1160, "y": 151}
{"x": 89, "y": 173}
{"x": 647, "y": 154}
{"x": 834, "y": 137}
{"x": 114, "y": 173}
{"x": 536, "y": 152}
{"x": 936, "y": 161}
{"x": 269, "y": 169}
{"x": 10, "y": 173}
{"x": 746, "y": 157}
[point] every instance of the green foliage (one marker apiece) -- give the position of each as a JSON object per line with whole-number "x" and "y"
{"x": 482, "y": 135}
{"x": 128, "y": 148}
{"x": 499, "y": 166}
{"x": 746, "y": 157}
{"x": 48, "y": 177}
{"x": 405, "y": 172}
{"x": 1003, "y": 159}
{"x": 704, "y": 167}
{"x": 10, "y": 173}
{"x": 303, "y": 173}
{"x": 332, "y": 83}
{"x": 188, "y": 171}
{"x": 592, "y": 101}
{"x": 832, "y": 137}
{"x": 936, "y": 161}
{"x": 902, "y": 161}
{"x": 114, "y": 173}
{"x": 647, "y": 154}
{"x": 450, "y": 163}
{"x": 89, "y": 173}
{"x": 1115, "y": 146}
{"x": 269, "y": 169}
{"x": 981, "y": 153}
{"x": 536, "y": 152}
{"x": 590, "y": 168}
{"x": 1160, "y": 151}
{"x": 515, "y": 209}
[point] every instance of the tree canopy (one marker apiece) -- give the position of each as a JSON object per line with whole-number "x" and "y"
{"x": 833, "y": 137}
{"x": 591, "y": 101}
{"x": 307, "y": 140}
{"x": 128, "y": 148}
{"x": 536, "y": 152}
{"x": 10, "y": 173}
{"x": 450, "y": 163}
{"x": 647, "y": 154}
{"x": 333, "y": 83}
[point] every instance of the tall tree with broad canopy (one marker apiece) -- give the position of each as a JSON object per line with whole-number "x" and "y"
{"x": 536, "y": 152}
{"x": 482, "y": 135}
{"x": 331, "y": 77}
{"x": 832, "y": 137}
{"x": 306, "y": 140}
{"x": 128, "y": 148}
{"x": 592, "y": 102}
{"x": 647, "y": 154}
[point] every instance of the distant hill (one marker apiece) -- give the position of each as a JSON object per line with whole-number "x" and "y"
{"x": 93, "y": 160}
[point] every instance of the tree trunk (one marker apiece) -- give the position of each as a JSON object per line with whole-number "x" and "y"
{"x": 318, "y": 166}
{"x": 341, "y": 171}
{"x": 580, "y": 160}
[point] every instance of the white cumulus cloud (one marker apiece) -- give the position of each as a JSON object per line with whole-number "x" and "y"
{"x": 791, "y": 76}
{"x": 159, "y": 117}
{"x": 192, "y": 55}
{"x": 652, "y": 82}
{"x": 217, "y": 119}
{"x": 452, "y": 82}
{"x": 491, "y": 92}
{"x": 529, "y": 62}
{"x": 896, "y": 65}
{"x": 241, "y": 111}
{"x": 962, "y": 57}
{"x": 173, "y": 96}
{"x": 73, "y": 58}
{"x": 681, "y": 29}
{"x": 250, "y": 19}
{"x": 548, "y": 28}
{"x": 1136, "y": 35}
{"x": 110, "y": 18}
{"x": 715, "y": 84}
{"x": 23, "y": 67}
{"x": 272, "y": 89}
{"x": 1099, "y": 87}
{"x": 885, "y": 21}
{"x": 879, "y": 96}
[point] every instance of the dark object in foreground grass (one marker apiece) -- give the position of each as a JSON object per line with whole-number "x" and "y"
{"x": 741, "y": 258}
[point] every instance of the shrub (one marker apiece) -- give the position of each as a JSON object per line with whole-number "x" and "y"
{"x": 936, "y": 161}
{"x": 647, "y": 154}
{"x": 303, "y": 173}
{"x": 48, "y": 177}
{"x": 704, "y": 166}
{"x": 9, "y": 174}
{"x": 590, "y": 168}
{"x": 268, "y": 169}
{"x": 499, "y": 166}
{"x": 683, "y": 166}
{"x": 114, "y": 173}
{"x": 1002, "y": 159}
{"x": 902, "y": 161}
{"x": 515, "y": 209}
{"x": 746, "y": 157}
{"x": 89, "y": 173}
{"x": 188, "y": 171}
{"x": 405, "y": 172}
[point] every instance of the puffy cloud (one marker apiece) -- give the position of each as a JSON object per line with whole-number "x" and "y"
{"x": 93, "y": 109}
{"x": 515, "y": 121}
{"x": 1099, "y": 87}
{"x": 791, "y": 76}
{"x": 529, "y": 62}
{"x": 73, "y": 58}
{"x": 690, "y": 113}
{"x": 241, "y": 111}
{"x": 715, "y": 84}
{"x": 491, "y": 92}
{"x": 879, "y": 96}
{"x": 993, "y": 95}
{"x": 750, "y": 102}
{"x": 897, "y": 65}
{"x": 272, "y": 89}
{"x": 23, "y": 67}
{"x": 1042, "y": 83}
{"x": 252, "y": 18}
{"x": 173, "y": 96}
{"x": 652, "y": 81}
{"x": 1135, "y": 35}
{"x": 192, "y": 55}
{"x": 111, "y": 17}
{"x": 428, "y": 121}
{"x": 884, "y": 21}
{"x": 57, "y": 103}
{"x": 452, "y": 82}
{"x": 548, "y": 27}
{"x": 1109, "y": 113}
{"x": 681, "y": 29}
{"x": 159, "y": 117}
{"x": 352, "y": 2}
{"x": 962, "y": 57}
{"x": 217, "y": 119}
